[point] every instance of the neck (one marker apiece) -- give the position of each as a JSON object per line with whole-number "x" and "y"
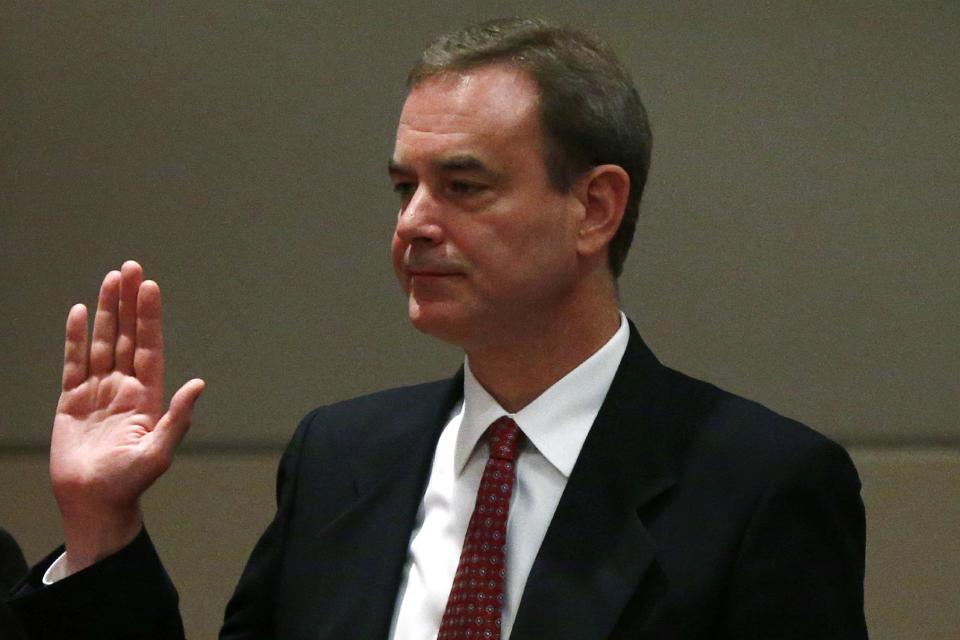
{"x": 517, "y": 370}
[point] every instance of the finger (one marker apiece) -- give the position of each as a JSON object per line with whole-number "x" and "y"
{"x": 176, "y": 421}
{"x": 75, "y": 348}
{"x": 131, "y": 275}
{"x": 148, "y": 354}
{"x": 104, "y": 340}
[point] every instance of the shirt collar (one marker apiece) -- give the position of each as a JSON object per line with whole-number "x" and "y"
{"x": 558, "y": 420}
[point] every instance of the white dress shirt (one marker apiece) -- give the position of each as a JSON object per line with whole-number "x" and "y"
{"x": 555, "y": 426}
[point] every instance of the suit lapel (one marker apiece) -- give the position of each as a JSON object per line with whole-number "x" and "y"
{"x": 405, "y": 453}
{"x": 596, "y": 550}
{"x": 373, "y": 533}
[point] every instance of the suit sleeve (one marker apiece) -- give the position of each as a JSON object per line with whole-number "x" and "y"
{"x": 13, "y": 566}
{"x": 126, "y": 595}
{"x": 799, "y": 571}
{"x": 129, "y": 594}
{"x": 251, "y": 612}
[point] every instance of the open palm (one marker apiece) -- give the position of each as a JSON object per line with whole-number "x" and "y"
{"x": 111, "y": 437}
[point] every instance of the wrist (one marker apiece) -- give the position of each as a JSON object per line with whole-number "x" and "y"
{"x": 91, "y": 536}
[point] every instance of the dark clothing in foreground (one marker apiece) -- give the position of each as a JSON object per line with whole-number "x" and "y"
{"x": 13, "y": 566}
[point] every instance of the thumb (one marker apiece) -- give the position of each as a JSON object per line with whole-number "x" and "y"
{"x": 176, "y": 421}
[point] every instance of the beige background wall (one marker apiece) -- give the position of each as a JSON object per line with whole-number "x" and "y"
{"x": 798, "y": 242}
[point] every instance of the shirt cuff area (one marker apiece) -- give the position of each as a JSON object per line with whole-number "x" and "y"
{"x": 56, "y": 571}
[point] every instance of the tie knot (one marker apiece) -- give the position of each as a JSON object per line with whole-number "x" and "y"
{"x": 504, "y": 436}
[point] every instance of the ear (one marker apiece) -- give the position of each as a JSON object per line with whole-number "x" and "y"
{"x": 603, "y": 193}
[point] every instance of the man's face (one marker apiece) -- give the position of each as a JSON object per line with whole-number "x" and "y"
{"x": 485, "y": 247}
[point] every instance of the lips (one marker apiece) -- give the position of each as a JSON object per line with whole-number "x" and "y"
{"x": 430, "y": 265}
{"x": 431, "y": 268}
{"x": 430, "y": 273}
{"x": 428, "y": 278}
{"x": 425, "y": 279}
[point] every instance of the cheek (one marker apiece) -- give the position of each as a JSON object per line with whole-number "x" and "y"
{"x": 397, "y": 248}
{"x": 551, "y": 244}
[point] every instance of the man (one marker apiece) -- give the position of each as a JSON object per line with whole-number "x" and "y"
{"x": 563, "y": 485}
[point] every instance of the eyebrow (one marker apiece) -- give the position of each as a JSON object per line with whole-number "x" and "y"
{"x": 463, "y": 162}
{"x": 395, "y": 167}
{"x": 460, "y": 162}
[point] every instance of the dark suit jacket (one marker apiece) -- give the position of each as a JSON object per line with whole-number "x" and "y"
{"x": 13, "y": 566}
{"x": 691, "y": 513}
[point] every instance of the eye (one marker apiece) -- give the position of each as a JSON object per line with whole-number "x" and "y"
{"x": 404, "y": 189}
{"x": 466, "y": 188}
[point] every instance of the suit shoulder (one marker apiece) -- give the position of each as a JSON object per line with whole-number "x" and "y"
{"x": 382, "y": 414}
{"x": 727, "y": 426}
{"x": 386, "y": 400}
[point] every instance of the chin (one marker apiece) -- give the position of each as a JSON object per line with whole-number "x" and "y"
{"x": 438, "y": 322}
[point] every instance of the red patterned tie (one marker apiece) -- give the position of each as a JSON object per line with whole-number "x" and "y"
{"x": 476, "y": 598}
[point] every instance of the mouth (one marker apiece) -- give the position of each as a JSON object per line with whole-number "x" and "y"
{"x": 425, "y": 279}
{"x": 427, "y": 276}
{"x": 425, "y": 268}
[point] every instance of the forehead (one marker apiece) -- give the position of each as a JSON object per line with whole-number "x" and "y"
{"x": 489, "y": 106}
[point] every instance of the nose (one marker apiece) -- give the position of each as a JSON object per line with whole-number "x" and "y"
{"x": 418, "y": 220}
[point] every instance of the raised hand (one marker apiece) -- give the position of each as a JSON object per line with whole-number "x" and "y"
{"x": 111, "y": 436}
